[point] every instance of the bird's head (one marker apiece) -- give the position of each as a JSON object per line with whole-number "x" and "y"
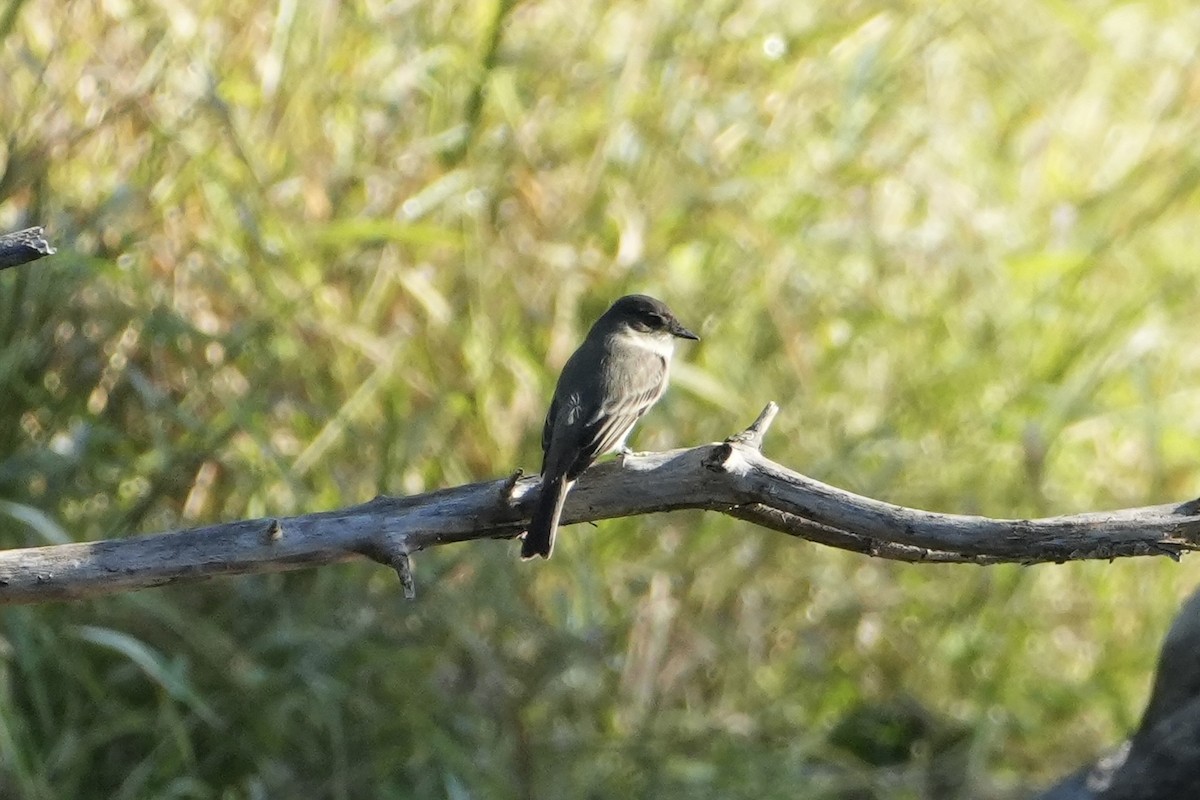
{"x": 645, "y": 315}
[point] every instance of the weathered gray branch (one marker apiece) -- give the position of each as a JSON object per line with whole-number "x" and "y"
{"x": 732, "y": 477}
{"x": 23, "y": 246}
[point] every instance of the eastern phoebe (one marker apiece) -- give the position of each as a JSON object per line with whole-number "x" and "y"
{"x": 614, "y": 377}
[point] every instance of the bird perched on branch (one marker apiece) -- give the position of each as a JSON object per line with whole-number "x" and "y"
{"x": 614, "y": 377}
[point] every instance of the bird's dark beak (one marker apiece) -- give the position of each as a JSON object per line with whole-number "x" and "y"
{"x": 683, "y": 333}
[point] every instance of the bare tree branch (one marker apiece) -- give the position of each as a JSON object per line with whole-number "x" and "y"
{"x": 732, "y": 477}
{"x": 24, "y": 246}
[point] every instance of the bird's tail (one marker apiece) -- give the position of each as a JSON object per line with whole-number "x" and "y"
{"x": 539, "y": 539}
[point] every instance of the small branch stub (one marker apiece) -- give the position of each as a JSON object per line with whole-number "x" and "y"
{"x": 403, "y": 566}
{"x": 510, "y": 485}
{"x": 392, "y": 550}
{"x": 753, "y": 436}
{"x": 718, "y": 460}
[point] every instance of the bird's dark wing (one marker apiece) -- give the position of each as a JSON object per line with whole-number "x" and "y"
{"x": 564, "y": 433}
{"x": 548, "y": 427}
{"x": 605, "y": 429}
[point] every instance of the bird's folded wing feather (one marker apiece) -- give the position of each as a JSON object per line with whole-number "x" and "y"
{"x": 612, "y": 421}
{"x": 548, "y": 426}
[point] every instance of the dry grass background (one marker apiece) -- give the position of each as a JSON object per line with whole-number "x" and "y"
{"x": 320, "y": 251}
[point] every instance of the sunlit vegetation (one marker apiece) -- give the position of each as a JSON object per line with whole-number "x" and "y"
{"x": 313, "y": 252}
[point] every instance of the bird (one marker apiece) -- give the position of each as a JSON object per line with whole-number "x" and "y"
{"x": 615, "y": 376}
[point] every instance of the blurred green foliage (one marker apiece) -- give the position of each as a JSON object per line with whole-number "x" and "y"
{"x": 315, "y": 252}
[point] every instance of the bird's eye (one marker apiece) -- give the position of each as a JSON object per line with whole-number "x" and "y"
{"x": 654, "y": 321}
